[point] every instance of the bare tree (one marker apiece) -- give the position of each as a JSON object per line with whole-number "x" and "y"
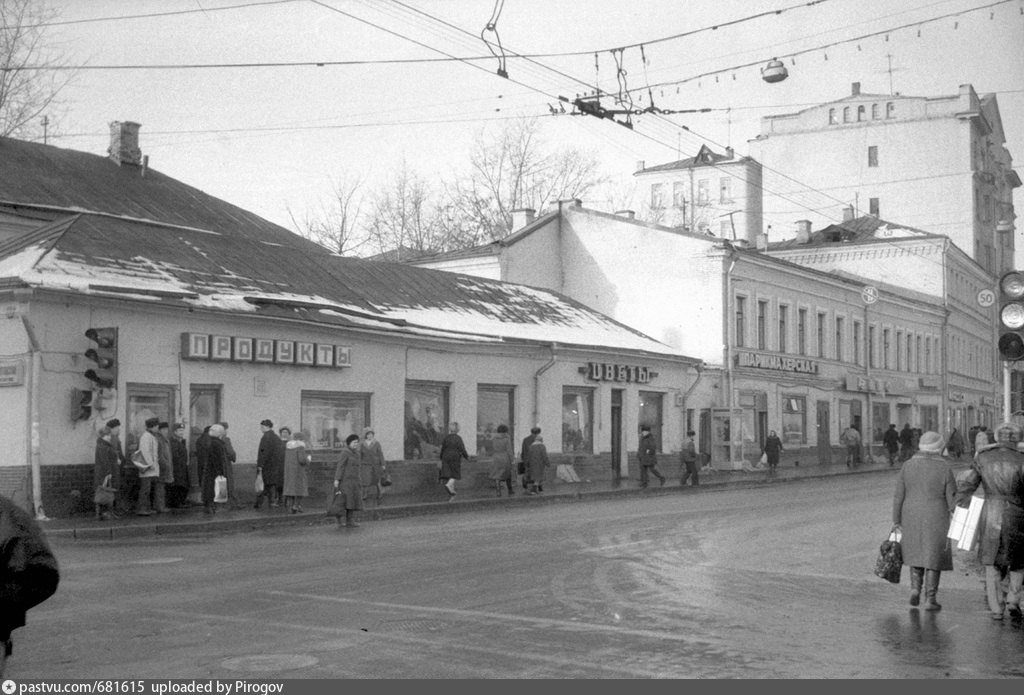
{"x": 513, "y": 169}
{"x": 404, "y": 216}
{"x": 336, "y": 226}
{"x": 32, "y": 72}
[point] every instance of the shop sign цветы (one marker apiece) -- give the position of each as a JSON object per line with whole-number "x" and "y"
{"x": 776, "y": 362}
{"x": 605, "y": 371}
{"x": 203, "y": 346}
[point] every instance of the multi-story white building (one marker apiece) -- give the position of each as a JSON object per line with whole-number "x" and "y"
{"x": 934, "y": 163}
{"x": 708, "y": 193}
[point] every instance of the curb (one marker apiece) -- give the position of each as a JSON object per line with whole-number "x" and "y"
{"x": 406, "y": 510}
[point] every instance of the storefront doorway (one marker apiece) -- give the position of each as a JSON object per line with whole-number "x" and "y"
{"x": 616, "y": 422}
{"x": 824, "y": 434}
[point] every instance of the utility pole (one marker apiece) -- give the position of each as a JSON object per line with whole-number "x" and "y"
{"x": 45, "y": 122}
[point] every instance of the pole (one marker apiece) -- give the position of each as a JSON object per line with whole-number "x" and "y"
{"x": 1007, "y": 411}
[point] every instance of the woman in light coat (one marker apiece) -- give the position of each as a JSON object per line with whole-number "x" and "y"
{"x": 536, "y": 464}
{"x": 924, "y": 500}
{"x": 373, "y": 473}
{"x": 348, "y": 477}
{"x": 503, "y": 460}
{"x": 296, "y": 476}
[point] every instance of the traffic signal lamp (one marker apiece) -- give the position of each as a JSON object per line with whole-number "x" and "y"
{"x": 81, "y": 404}
{"x": 1011, "y": 316}
{"x": 104, "y": 355}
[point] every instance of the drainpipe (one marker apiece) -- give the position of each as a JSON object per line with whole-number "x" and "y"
{"x": 536, "y": 385}
{"x": 33, "y": 424}
{"x": 729, "y": 338}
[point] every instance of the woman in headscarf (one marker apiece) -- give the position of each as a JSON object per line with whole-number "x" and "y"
{"x": 348, "y": 477}
{"x": 921, "y": 508}
{"x": 296, "y": 465}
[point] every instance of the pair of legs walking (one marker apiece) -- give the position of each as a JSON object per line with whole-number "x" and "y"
{"x": 645, "y": 474}
{"x": 508, "y": 484}
{"x": 997, "y": 601}
{"x": 928, "y": 580}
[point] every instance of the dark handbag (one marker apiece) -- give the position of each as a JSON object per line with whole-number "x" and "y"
{"x": 521, "y": 468}
{"x": 337, "y": 506}
{"x": 105, "y": 494}
{"x": 385, "y": 479}
{"x": 890, "y": 559}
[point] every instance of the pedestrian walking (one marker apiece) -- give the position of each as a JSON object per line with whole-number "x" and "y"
{"x": 296, "y": 471}
{"x": 373, "y": 471}
{"x": 955, "y": 445}
{"x": 453, "y": 450}
{"x": 147, "y": 460}
{"x": 213, "y": 461}
{"x": 850, "y": 438}
{"x": 906, "y": 442}
{"x": 924, "y": 499}
{"x": 270, "y": 466}
{"x": 177, "y": 493}
{"x": 647, "y": 455}
{"x": 127, "y": 478}
{"x": 348, "y": 480}
{"x": 999, "y": 470}
{"x": 503, "y": 458}
{"x": 981, "y": 441}
{"x": 688, "y": 458}
{"x": 166, "y": 475}
{"x": 229, "y": 470}
{"x": 772, "y": 449}
{"x": 537, "y": 464}
{"x": 29, "y": 573}
{"x": 891, "y": 442}
{"x": 105, "y": 463}
{"x": 524, "y": 454}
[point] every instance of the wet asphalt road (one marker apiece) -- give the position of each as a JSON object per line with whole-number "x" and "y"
{"x": 770, "y": 582}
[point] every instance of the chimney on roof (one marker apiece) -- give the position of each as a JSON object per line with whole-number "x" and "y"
{"x": 628, "y": 214}
{"x": 641, "y": 165}
{"x": 730, "y": 153}
{"x": 124, "y": 143}
{"x": 761, "y": 242}
{"x": 522, "y": 217}
{"x": 855, "y": 89}
{"x": 847, "y": 213}
{"x": 803, "y": 231}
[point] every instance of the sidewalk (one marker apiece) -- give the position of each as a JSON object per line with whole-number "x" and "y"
{"x": 192, "y": 520}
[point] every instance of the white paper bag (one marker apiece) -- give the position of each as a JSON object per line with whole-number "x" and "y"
{"x": 957, "y": 523}
{"x": 970, "y": 532}
{"x": 220, "y": 488}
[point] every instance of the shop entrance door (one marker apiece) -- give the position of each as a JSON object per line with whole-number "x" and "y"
{"x": 824, "y": 434}
{"x": 616, "y": 436}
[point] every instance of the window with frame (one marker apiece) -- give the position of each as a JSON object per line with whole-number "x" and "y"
{"x": 143, "y": 402}
{"x": 741, "y": 321}
{"x": 426, "y": 418}
{"x": 872, "y": 155}
{"x": 846, "y": 114}
{"x": 832, "y": 120}
{"x": 874, "y": 112}
{"x": 917, "y": 357}
{"x": 856, "y": 343}
{"x": 871, "y": 347}
{"x": 821, "y": 334}
{"x": 725, "y": 189}
{"x": 495, "y": 406}
{"x": 703, "y": 191}
{"x": 783, "y": 328}
{"x": 873, "y": 207}
{"x": 910, "y": 352}
{"x": 679, "y": 195}
{"x": 890, "y": 110}
{"x": 861, "y": 112}
{"x": 651, "y": 409}
{"x": 577, "y": 420}
{"x": 801, "y": 331}
{"x": 657, "y": 196}
{"x": 762, "y": 325}
{"x": 329, "y": 417}
{"x": 886, "y": 334}
{"x": 839, "y": 338}
{"x": 794, "y": 420}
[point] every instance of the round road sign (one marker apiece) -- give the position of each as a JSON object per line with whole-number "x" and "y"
{"x": 869, "y": 294}
{"x": 986, "y": 298}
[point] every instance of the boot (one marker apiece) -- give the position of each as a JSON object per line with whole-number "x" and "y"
{"x": 916, "y": 579}
{"x": 931, "y": 587}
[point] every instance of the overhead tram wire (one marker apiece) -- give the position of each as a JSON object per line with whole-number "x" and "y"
{"x": 151, "y": 15}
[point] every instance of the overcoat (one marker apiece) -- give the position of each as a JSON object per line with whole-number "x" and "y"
{"x": 349, "y": 474}
{"x": 924, "y": 500}
{"x": 453, "y": 450}
{"x": 373, "y": 457}
{"x": 1000, "y": 473}
{"x": 270, "y": 458}
{"x": 503, "y": 458}
{"x": 106, "y": 463}
{"x": 296, "y": 463}
{"x": 537, "y": 461}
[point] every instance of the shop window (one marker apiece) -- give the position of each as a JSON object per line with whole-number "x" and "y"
{"x": 145, "y": 401}
{"x": 494, "y": 406}
{"x": 329, "y": 417}
{"x": 203, "y": 409}
{"x": 651, "y": 405}
{"x": 794, "y": 420}
{"x": 577, "y": 420}
{"x": 426, "y": 418}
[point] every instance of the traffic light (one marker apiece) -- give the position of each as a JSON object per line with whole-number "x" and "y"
{"x": 81, "y": 405}
{"x": 104, "y": 355}
{"x": 1011, "y": 316}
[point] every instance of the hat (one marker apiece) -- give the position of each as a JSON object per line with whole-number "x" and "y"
{"x": 368, "y": 430}
{"x": 266, "y": 423}
{"x": 690, "y": 433}
{"x": 113, "y": 423}
{"x": 351, "y": 438}
{"x": 1008, "y": 432}
{"x": 645, "y": 428}
{"x": 223, "y": 424}
{"x": 152, "y": 422}
{"x": 931, "y": 442}
{"x": 164, "y": 426}
{"x": 534, "y": 430}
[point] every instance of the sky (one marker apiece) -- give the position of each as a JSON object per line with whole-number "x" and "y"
{"x": 277, "y": 137}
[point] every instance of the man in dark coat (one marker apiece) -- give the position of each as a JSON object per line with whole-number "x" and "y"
{"x": 177, "y": 493}
{"x": 891, "y": 441}
{"x": 28, "y": 571}
{"x": 536, "y": 464}
{"x": 229, "y": 468}
{"x": 270, "y": 465}
{"x": 1000, "y": 472}
{"x": 453, "y": 450}
{"x": 688, "y": 457}
{"x": 647, "y": 455}
{"x": 524, "y": 455}
{"x": 216, "y": 457}
{"x": 906, "y": 442}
